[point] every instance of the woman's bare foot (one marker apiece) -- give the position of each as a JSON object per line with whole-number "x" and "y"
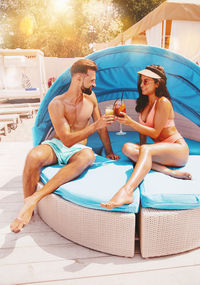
{"x": 174, "y": 173}
{"x": 181, "y": 175}
{"x": 120, "y": 198}
{"x": 24, "y": 216}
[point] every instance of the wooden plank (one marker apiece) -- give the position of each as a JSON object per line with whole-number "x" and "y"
{"x": 177, "y": 276}
{"x": 23, "y": 133}
{"x": 11, "y": 206}
{"x": 41, "y": 254}
{"x": 37, "y": 227}
{"x": 33, "y": 239}
{"x": 68, "y": 267}
{"x": 9, "y": 183}
{"x": 5, "y": 194}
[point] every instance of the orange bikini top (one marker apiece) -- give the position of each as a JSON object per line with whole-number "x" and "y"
{"x": 150, "y": 119}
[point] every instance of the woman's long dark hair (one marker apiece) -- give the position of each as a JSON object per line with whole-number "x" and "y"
{"x": 143, "y": 100}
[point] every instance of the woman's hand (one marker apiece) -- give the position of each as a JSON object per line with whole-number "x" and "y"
{"x": 125, "y": 120}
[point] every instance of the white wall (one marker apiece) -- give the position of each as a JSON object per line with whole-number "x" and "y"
{"x": 185, "y": 38}
{"x": 154, "y": 35}
{"x": 55, "y": 66}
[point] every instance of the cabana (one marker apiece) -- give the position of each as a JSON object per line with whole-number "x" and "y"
{"x": 166, "y": 213}
{"x": 173, "y": 25}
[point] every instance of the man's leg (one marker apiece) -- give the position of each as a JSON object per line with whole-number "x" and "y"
{"x": 76, "y": 165}
{"x": 38, "y": 157}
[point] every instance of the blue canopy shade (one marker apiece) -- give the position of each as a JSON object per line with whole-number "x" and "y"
{"x": 117, "y": 72}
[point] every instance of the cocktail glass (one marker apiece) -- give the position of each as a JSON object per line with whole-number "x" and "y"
{"x": 119, "y": 106}
{"x": 109, "y": 110}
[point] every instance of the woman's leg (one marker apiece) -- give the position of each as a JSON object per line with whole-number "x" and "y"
{"x": 163, "y": 153}
{"x": 132, "y": 150}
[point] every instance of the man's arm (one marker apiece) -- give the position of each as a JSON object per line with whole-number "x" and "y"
{"x": 103, "y": 133}
{"x": 62, "y": 128}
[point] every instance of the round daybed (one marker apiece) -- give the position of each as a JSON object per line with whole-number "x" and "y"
{"x": 168, "y": 208}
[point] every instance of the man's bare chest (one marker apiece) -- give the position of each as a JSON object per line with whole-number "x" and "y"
{"x": 78, "y": 116}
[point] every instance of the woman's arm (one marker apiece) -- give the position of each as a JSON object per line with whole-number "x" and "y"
{"x": 162, "y": 113}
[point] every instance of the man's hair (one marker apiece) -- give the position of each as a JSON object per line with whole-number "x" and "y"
{"x": 82, "y": 66}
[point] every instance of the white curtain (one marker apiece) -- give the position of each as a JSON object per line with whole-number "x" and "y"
{"x": 154, "y": 35}
{"x": 128, "y": 42}
{"x": 2, "y": 84}
{"x": 185, "y": 38}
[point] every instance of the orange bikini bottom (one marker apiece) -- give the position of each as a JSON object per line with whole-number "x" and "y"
{"x": 171, "y": 139}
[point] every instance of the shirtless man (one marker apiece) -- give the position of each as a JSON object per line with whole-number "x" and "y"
{"x": 70, "y": 114}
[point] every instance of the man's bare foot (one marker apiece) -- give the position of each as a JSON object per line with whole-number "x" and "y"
{"x": 24, "y": 216}
{"x": 120, "y": 198}
{"x": 181, "y": 175}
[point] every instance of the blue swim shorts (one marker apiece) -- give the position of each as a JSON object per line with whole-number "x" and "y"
{"x": 63, "y": 152}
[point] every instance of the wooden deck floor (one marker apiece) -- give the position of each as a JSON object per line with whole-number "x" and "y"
{"x": 38, "y": 255}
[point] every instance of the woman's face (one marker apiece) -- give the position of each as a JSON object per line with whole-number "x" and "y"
{"x": 148, "y": 85}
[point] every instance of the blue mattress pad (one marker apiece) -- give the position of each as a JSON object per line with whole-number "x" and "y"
{"x": 161, "y": 191}
{"x": 105, "y": 177}
{"x": 96, "y": 184}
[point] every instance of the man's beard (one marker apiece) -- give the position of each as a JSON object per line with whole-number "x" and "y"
{"x": 87, "y": 91}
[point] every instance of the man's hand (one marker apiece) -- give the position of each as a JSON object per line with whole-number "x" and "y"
{"x": 113, "y": 156}
{"x": 104, "y": 121}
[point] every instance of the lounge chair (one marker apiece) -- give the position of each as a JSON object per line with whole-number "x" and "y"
{"x": 34, "y": 106}
{"x": 22, "y": 112}
{"x": 78, "y": 216}
{"x": 11, "y": 119}
{"x": 4, "y": 129}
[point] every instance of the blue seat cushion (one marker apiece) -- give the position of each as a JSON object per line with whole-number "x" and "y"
{"x": 96, "y": 184}
{"x": 117, "y": 143}
{"x": 165, "y": 192}
{"x": 95, "y": 143}
{"x": 194, "y": 146}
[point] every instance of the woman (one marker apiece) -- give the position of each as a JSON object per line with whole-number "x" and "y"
{"x": 156, "y": 120}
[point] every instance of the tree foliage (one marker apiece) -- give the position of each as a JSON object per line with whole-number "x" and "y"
{"x": 132, "y": 11}
{"x": 67, "y": 28}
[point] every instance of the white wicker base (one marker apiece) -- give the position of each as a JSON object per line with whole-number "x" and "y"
{"x": 109, "y": 232}
{"x": 164, "y": 232}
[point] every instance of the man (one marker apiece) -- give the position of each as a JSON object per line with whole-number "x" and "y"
{"x": 70, "y": 114}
